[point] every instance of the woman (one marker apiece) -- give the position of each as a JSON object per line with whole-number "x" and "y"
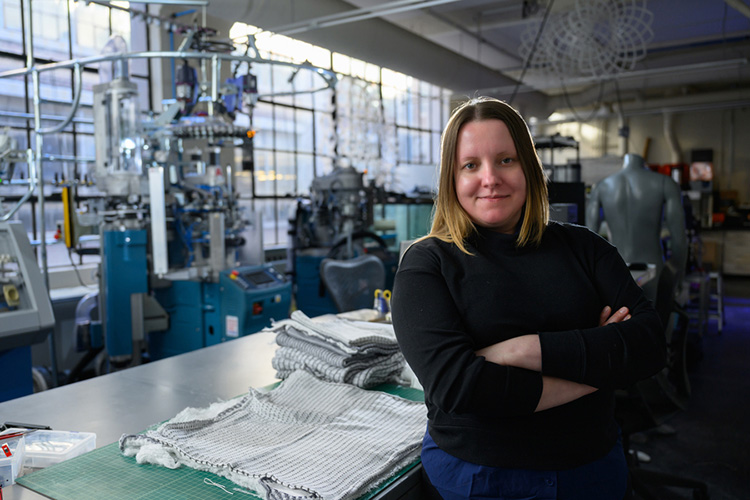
{"x": 505, "y": 318}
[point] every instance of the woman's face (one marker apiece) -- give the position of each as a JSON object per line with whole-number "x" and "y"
{"x": 490, "y": 183}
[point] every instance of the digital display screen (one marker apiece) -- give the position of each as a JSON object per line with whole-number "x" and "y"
{"x": 258, "y": 278}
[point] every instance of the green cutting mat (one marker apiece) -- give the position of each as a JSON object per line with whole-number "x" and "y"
{"x": 107, "y": 473}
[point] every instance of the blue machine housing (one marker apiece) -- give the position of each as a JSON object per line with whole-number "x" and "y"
{"x": 251, "y": 297}
{"x": 126, "y": 269}
{"x": 201, "y": 314}
{"x": 194, "y": 318}
{"x": 16, "y": 381}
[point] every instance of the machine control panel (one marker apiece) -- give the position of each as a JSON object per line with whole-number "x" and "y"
{"x": 251, "y": 298}
{"x": 256, "y": 277}
{"x": 25, "y": 309}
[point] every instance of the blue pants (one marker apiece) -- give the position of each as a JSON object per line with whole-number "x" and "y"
{"x": 455, "y": 479}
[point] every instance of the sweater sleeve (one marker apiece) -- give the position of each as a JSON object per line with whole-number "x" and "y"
{"x": 616, "y": 355}
{"x": 434, "y": 342}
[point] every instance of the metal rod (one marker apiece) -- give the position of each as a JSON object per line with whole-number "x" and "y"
{"x": 30, "y": 116}
{"x": 36, "y": 165}
{"x": 215, "y": 67}
{"x": 327, "y": 75}
{"x": 78, "y": 84}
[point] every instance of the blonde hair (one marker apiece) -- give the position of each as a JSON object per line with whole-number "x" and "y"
{"x": 450, "y": 222}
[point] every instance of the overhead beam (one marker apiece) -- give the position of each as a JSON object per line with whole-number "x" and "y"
{"x": 356, "y": 15}
{"x": 628, "y": 75}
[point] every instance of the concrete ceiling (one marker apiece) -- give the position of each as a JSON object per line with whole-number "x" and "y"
{"x": 697, "y": 55}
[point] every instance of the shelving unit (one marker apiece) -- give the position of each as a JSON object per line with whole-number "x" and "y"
{"x": 556, "y": 141}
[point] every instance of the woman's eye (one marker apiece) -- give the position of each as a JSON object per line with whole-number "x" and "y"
{"x": 469, "y": 166}
{"x": 505, "y": 161}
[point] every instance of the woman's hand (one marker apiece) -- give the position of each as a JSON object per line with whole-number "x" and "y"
{"x": 606, "y": 317}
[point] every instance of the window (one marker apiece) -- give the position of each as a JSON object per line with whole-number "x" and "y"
{"x": 61, "y": 30}
{"x": 385, "y": 122}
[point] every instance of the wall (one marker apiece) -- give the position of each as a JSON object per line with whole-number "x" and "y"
{"x": 723, "y": 130}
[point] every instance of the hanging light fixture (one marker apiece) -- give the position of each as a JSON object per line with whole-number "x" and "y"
{"x": 597, "y": 38}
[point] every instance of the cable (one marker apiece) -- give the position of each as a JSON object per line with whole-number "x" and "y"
{"x": 527, "y": 62}
{"x": 78, "y": 274}
{"x": 596, "y": 102}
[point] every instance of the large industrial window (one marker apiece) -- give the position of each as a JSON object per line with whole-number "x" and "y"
{"x": 380, "y": 121}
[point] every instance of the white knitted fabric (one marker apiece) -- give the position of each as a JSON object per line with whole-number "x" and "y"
{"x": 338, "y": 350}
{"x": 305, "y": 439}
{"x": 369, "y": 374}
{"x": 350, "y": 335}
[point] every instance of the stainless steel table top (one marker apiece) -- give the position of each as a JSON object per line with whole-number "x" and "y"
{"x": 131, "y": 400}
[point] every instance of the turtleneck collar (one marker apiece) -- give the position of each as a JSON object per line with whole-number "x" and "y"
{"x": 493, "y": 239}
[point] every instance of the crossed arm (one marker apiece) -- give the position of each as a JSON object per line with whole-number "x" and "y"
{"x": 526, "y": 352}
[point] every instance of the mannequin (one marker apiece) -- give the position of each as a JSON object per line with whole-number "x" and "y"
{"x": 633, "y": 201}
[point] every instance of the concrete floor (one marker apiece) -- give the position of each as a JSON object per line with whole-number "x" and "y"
{"x": 711, "y": 442}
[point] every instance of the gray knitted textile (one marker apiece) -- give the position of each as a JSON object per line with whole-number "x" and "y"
{"x": 306, "y": 439}
{"x": 338, "y": 350}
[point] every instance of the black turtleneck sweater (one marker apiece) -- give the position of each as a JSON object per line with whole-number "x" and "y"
{"x": 447, "y": 304}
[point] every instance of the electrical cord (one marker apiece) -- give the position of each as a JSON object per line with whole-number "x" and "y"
{"x": 596, "y": 102}
{"x": 527, "y": 62}
{"x": 78, "y": 274}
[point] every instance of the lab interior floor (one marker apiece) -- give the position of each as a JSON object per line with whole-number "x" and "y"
{"x": 711, "y": 439}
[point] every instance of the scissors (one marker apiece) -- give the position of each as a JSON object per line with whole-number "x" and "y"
{"x": 387, "y": 298}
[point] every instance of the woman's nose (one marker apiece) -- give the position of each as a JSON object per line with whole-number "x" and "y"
{"x": 489, "y": 176}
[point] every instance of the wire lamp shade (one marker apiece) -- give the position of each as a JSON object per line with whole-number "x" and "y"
{"x": 597, "y": 38}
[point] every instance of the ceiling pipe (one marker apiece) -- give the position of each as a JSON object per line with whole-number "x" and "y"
{"x": 669, "y": 134}
{"x": 351, "y": 16}
{"x": 622, "y": 78}
{"x": 739, "y": 6}
{"x": 652, "y": 109}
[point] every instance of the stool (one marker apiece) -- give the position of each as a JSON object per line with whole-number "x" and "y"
{"x": 698, "y": 301}
{"x": 716, "y": 297}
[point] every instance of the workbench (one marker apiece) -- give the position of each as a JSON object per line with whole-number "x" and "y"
{"x": 131, "y": 400}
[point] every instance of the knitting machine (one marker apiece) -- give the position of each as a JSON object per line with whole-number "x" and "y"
{"x": 182, "y": 265}
{"x": 335, "y": 223}
{"x": 171, "y": 230}
{"x": 26, "y": 315}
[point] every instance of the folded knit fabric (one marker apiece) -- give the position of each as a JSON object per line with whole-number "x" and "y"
{"x": 305, "y": 439}
{"x": 353, "y": 334}
{"x": 365, "y": 374}
{"x": 338, "y": 350}
{"x": 296, "y": 340}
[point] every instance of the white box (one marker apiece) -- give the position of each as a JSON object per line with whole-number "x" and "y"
{"x": 45, "y": 448}
{"x": 10, "y": 466}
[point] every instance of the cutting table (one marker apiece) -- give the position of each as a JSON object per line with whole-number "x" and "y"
{"x": 131, "y": 400}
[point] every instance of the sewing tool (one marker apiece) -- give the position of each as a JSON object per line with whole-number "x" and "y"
{"x": 387, "y": 301}
{"x": 212, "y": 483}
